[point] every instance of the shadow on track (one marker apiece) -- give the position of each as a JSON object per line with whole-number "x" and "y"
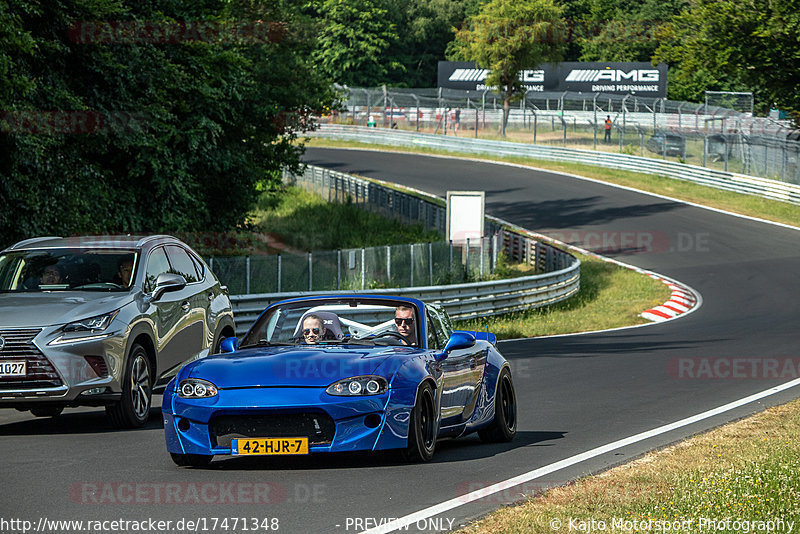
{"x": 85, "y": 422}
{"x": 455, "y": 450}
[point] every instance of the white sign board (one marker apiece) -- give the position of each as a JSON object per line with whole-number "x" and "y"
{"x": 465, "y": 215}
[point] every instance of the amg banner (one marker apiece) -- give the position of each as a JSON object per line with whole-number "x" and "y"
{"x": 639, "y": 78}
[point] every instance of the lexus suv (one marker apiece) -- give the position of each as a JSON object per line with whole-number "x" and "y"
{"x": 103, "y": 321}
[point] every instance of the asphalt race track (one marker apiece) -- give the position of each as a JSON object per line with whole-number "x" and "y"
{"x": 575, "y": 393}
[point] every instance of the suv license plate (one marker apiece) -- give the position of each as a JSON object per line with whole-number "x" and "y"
{"x": 12, "y": 368}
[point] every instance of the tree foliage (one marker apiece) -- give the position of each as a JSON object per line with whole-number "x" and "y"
{"x": 189, "y": 129}
{"x": 507, "y": 36}
{"x": 355, "y": 38}
{"x": 728, "y": 45}
{"x": 622, "y": 30}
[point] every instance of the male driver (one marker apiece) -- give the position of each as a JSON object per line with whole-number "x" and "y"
{"x": 404, "y": 320}
{"x": 313, "y": 330}
{"x": 51, "y": 275}
{"x": 124, "y": 269}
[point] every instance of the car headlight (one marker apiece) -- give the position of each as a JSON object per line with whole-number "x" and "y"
{"x": 92, "y": 324}
{"x": 358, "y": 386}
{"x": 195, "y": 388}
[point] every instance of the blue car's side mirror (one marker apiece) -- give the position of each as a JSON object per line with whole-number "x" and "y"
{"x": 229, "y": 344}
{"x": 457, "y": 341}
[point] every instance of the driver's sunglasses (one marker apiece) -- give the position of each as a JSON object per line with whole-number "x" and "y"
{"x": 400, "y": 320}
{"x": 309, "y": 330}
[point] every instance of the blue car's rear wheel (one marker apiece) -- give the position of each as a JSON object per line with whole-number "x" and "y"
{"x": 504, "y": 424}
{"x": 422, "y": 428}
{"x": 191, "y": 460}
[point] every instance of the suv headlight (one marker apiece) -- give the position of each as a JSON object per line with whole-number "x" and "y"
{"x": 195, "y": 388}
{"x": 92, "y": 324}
{"x": 358, "y": 386}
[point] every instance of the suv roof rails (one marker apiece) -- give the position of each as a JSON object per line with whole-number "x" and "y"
{"x": 31, "y": 241}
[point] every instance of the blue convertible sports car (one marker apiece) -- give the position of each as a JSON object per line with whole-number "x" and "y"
{"x": 341, "y": 373}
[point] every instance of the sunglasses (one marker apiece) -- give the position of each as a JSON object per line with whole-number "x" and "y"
{"x": 309, "y": 330}
{"x": 403, "y": 320}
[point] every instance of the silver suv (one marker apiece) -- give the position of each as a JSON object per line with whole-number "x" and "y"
{"x": 103, "y": 321}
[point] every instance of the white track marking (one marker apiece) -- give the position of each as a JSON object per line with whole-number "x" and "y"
{"x": 441, "y": 508}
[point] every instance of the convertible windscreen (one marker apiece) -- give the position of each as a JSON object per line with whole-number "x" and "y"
{"x": 67, "y": 269}
{"x": 313, "y": 322}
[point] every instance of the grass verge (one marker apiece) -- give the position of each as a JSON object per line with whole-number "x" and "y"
{"x": 750, "y": 205}
{"x": 306, "y": 221}
{"x": 744, "y": 471}
{"x": 610, "y": 297}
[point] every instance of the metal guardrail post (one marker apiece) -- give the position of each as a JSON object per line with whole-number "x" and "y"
{"x": 466, "y": 262}
{"x": 430, "y": 261}
{"x": 339, "y": 269}
{"x": 279, "y": 273}
{"x": 310, "y": 273}
{"x": 247, "y": 277}
{"x": 363, "y": 268}
{"x": 411, "y": 255}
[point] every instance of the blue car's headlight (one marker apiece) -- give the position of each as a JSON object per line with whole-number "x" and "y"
{"x": 358, "y": 386}
{"x": 92, "y": 324}
{"x": 195, "y": 388}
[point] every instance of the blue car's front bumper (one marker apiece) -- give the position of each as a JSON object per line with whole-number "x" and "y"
{"x": 361, "y": 423}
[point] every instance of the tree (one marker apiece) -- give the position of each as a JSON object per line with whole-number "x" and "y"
{"x": 186, "y": 131}
{"x": 729, "y": 45}
{"x": 354, "y": 38}
{"x": 623, "y": 30}
{"x": 507, "y": 36}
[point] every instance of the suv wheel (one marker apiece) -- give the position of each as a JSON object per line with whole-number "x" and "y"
{"x": 133, "y": 409}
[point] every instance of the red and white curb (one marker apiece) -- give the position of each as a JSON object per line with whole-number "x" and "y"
{"x": 681, "y": 301}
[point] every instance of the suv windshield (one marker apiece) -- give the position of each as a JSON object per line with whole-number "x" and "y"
{"x": 353, "y": 321}
{"x": 67, "y": 269}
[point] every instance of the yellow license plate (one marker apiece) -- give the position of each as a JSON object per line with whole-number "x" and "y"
{"x": 262, "y": 446}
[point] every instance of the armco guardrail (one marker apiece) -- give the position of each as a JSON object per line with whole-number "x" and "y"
{"x": 559, "y": 280}
{"x": 462, "y": 301}
{"x": 713, "y": 178}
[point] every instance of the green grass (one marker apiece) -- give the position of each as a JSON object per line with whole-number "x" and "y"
{"x": 750, "y": 205}
{"x": 610, "y": 296}
{"x": 307, "y": 222}
{"x": 746, "y": 471}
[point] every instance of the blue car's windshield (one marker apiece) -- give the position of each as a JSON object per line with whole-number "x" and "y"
{"x": 312, "y": 322}
{"x": 67, "y": 269}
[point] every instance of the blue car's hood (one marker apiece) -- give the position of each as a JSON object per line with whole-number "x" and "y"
{"x": 317, "y": 366}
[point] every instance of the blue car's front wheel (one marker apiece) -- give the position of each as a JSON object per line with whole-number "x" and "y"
{"x": 422, "y": 427}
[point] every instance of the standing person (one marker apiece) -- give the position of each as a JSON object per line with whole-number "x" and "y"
{"x": 457, "y": 120}
{"x": 607, "y": 138}
{"x": 404, "y": 321}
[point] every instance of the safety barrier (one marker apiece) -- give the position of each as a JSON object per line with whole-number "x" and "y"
{"x": 729, "y": 181}
{"x": 558, "y": 275}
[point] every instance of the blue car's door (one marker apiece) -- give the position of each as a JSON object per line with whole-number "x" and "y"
{"x": 461, "y": 375}
{"x": 462, "y": 371}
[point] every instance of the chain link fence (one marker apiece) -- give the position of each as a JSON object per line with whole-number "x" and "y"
{"x": 699, "y": 134}
{"x": 410, "y": 265}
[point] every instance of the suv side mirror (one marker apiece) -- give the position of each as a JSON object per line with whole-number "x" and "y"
{"x": 229, "y": 344}
{"x": 167, "y": 282}
{"x": 457, "y": 341}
